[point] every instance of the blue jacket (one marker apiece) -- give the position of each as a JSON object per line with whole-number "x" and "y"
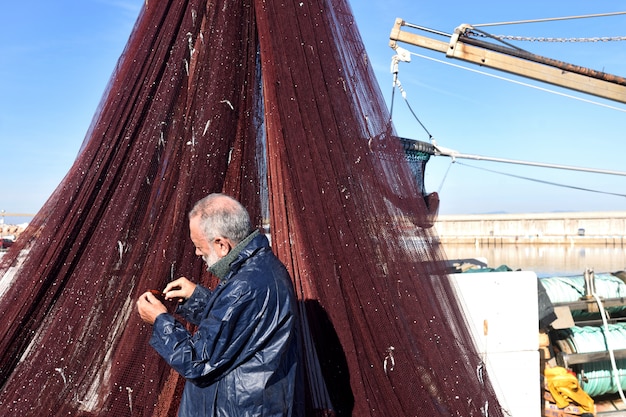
{"x": 243, "y": 358}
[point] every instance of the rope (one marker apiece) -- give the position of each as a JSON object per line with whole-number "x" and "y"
{"x": 603, "y": 377}
{"x": 609, "y": 347}
{"x": 572, "y": 288}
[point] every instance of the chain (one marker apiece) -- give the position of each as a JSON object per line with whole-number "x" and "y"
{"x": 542, "y": 39}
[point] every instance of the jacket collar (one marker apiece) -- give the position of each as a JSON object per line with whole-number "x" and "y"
{"x": 222, "y": 267}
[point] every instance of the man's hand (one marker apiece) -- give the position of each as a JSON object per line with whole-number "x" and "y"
{"x": 179, "y": 289}
{"x": 149, "y": 307}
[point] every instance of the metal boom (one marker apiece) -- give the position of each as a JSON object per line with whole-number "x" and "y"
{"x": 514, "y": 61}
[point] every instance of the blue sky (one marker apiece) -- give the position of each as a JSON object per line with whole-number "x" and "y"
{"x": 56, "y": 59}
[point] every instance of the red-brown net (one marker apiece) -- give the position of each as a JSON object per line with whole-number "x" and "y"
{"x": 275, "y": 103}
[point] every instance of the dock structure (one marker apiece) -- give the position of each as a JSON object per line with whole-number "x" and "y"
{"x": 588, "y": 228}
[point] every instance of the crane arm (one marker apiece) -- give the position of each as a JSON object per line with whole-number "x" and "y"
{"x": 514, "y": 61}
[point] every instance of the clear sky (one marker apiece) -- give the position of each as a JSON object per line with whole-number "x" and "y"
{"x": 56, "y": 58}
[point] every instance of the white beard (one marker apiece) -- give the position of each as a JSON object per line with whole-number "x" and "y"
{"x": 210, "y": 259}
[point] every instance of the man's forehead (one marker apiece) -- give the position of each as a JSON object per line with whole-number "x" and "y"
{"x": 194, "y": 227}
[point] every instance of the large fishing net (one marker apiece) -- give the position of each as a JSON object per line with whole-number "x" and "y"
{"x": 275, "y": 103}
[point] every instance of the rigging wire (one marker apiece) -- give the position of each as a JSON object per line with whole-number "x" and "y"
{"x": 545, "y": 39}
{"x": 474, "y": 31}
{"x": 445, "y": 175}
{"x": 543, "y": 181}
{"x": 430, "y": 137}
{"x": 455, "y": 154}
{"x": 398, "y": 84}
{"x": 550, "y": 19}
{"x": 453, "y": 158}
{"x": 521, "y": 83}
{"x": 393, "y": 95}
{"x": 500, "y": 39}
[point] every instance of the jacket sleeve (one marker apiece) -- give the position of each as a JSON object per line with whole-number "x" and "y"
{"x": 192, "y": 309}
{"x": 224, "y": 338}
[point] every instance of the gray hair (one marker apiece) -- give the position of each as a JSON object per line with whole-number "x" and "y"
{"x": 222, "y": 215}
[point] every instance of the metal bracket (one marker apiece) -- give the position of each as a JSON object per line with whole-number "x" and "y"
{"x": 454, "y": 39}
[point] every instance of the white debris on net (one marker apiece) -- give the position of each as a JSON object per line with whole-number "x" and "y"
{"x": 190, "y": 43}
{"x": 479, "y": 372}
{"x": 192, "y": 142}
{"x": 389, "y": 359}
{"x": 485, "y": 410}
{"x": 162, "y": 139}
{"x": 120, "y": 249}
{"x": 7, "y": 279}
{"x": 100, "y": 382}
{"x": 60, "y": 371}
{"x": 130, "y": 399}
{"x": 229, "y": 104}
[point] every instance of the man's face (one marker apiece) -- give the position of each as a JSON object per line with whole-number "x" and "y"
{"x": 210, "y": 258}
{"x": 204, "y": 248}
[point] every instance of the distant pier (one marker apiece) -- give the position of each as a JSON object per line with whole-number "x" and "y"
{"x": 574, "y": 228}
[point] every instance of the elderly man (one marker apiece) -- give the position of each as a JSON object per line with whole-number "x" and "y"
{"x": 243, "y": 359}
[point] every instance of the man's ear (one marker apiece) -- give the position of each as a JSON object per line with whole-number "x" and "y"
{"x": 223, "y": 246}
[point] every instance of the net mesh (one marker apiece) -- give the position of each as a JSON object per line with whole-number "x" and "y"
{"x": 276, "y": 104}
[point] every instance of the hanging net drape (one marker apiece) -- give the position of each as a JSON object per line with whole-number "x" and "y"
{"x": 275, "y": 103}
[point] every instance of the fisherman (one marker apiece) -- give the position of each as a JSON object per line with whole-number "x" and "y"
{"x": 243, "y": 359}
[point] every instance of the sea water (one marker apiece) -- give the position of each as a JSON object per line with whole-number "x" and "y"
{"x": 545, "y": 260}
